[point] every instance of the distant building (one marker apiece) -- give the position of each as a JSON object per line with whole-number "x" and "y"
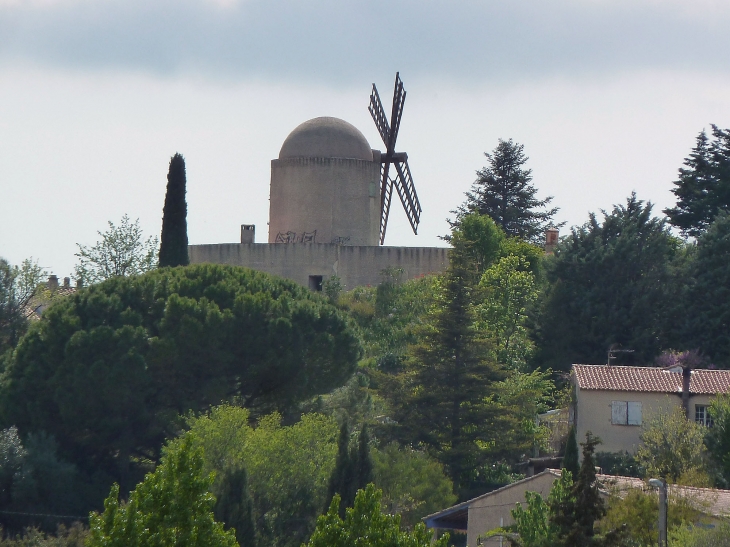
{"x": 613, "y": 402}
{"x": 324, "y": 215}
{"x": 493, "y": 510}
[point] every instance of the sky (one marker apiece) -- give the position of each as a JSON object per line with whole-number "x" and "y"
{"x": 607, "y": 97}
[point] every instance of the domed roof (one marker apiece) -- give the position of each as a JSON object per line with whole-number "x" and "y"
{"x": 326, "y": 138}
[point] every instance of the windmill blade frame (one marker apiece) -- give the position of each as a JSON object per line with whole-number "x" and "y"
{"x": 378, "y": 113}
{"x": 407, "y": 193}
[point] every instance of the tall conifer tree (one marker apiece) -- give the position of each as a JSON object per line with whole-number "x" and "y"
{"x": 174, "y": 239}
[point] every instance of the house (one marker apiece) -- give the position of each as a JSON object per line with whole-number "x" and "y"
{"x": 613, "y": 402}
{"x": 493, "y": 509}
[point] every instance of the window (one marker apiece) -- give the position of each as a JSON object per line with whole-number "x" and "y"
{"x": 315, "y": 283}
{"x": 702, "y": 415}
{"x": 625, "y": 412}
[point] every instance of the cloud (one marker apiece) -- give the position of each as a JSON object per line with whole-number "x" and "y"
{"x": 337, "y": 41}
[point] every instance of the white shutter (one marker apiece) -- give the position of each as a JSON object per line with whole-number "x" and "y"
{"x": 634, "y": 411}
{"x": 618, "y": 412}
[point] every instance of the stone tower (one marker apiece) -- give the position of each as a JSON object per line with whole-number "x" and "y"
{"x": 325, "y": 186}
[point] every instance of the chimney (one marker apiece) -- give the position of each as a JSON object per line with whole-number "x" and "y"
{"x": 52, "y": 282}
{"x": 248, "y": 233}
{"x": 79, "y": 283}
{"x": 551, "y": 240}
{"x": 686, "y": 377}
{"x": 66, "y": 282}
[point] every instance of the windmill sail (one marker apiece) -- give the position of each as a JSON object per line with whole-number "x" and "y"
{"x": 403, "y": 180}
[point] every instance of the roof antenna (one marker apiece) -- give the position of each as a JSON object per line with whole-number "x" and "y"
{"x": 612, "y": 349}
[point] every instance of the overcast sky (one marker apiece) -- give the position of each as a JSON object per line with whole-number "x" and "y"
{"x": 607, "y": 96}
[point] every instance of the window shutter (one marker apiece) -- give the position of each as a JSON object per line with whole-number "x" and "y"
{"x": 634, "y": 411}
{"x": 618, "y": 412}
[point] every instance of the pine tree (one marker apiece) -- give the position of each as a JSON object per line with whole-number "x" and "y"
{"x": 703, "y": 187}
{"x": 445, "y": 398}
{"x": 234, "y": 506}
{"x": 570, "y": 459}
{"x": 174, "y": 238}
{"x": 503, "y": 191}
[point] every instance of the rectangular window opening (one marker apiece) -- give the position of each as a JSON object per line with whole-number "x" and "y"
{"x": 315, "y": 283}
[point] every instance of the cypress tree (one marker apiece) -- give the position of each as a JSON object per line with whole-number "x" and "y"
{"x": 234, "y": 507}
{"x": 341, "y": 479}
{"x": 363, "y": 463}
{"x": 570, "y": 459}
{"x": 174, "y": 238}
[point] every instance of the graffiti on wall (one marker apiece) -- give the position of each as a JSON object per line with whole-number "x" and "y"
{"x": 291, "y": 237}
{"x": 340, "y": 240}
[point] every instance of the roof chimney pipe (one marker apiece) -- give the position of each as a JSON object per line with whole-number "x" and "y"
{"x": 686, "y": 377}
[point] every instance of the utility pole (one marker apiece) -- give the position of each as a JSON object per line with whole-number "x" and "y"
{"x": 661, "y": 484}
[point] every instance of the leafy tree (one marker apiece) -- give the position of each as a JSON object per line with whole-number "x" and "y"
{"x": 413, "y": 484}
{"x": 509, "y": 291}
{"x": 366, "y": 524}
{"x": 288, "y": 467}
{"x": 638, "y": 511}
{"x": 703, "y": 187}
{"x": 692, "y": 536}
{"x": 174, "y": 238}
{"x": 570, "y": 459}
{"x": 503, "y": 190}
{"x": 171, "y": 507}
{"x": 708, "y": 325}
{"x": 672, "y": 448}
{"x": 234, "y": 506}
{"x": 18, "y": 286}
{"x": 110, "y": 369}
{"x": 611, "y": 282}
{"x": 533, "y": 524}
{"x": 121, "y": 252}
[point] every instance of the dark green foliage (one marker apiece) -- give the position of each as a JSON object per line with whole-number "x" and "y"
{"x": 234, "y": 506}
{"x": 342, "y": 475}
{"x": 110, "y": 369}
{"x": 717, "y": 439}
{"x": 363, "y": 462}
{"x": 174, "y": 238}
{"x": 709, "y": 314}
{"x": 353, "y": 468}
{"x": 444, "y": 402}
{"x": 504, "y": 192}
{"x": 703, "y": 188}
{"x": 570, "y": 458}
{"x": 35, "y": 484}
{"x": 576, "y": 515}
{"x": 622, "y": 464}
{"x": 611, "y": 283}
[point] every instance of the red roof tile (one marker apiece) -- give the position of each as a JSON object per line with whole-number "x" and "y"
{"x": 653, "y": 379}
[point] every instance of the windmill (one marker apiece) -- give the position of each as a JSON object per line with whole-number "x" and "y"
{"x": 403, "y": 180}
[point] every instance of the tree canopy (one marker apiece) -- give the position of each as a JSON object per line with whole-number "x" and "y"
{"x": 18, "y": 286}
{"x": 504, "y": 192}
{"x": 109, "y": 369}
{"x": 610, "y": 283}
{"x": 703, "y": 187}
{"x": 121, "y": 251}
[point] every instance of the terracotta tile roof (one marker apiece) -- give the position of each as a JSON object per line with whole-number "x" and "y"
{"x": 653, "y": 379}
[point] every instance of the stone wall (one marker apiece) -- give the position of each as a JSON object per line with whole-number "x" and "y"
{"x": 302, "y": 262}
